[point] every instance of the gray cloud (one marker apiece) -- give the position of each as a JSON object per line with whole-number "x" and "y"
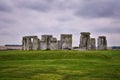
{"x": 4, "y": 7}
{"x": 46, "y": 5}
{"x": 8, "y": 21}
{"x": 101, "y": 8}
{"x": 112, "y": 30}
{"x": 36, "y": 17}
{"x": 39, "y": 6}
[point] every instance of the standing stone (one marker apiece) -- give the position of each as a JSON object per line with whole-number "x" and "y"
{"x": 66, "y": 41}
{"x": 45, "y": 42}
{"x": 102, "y": 43}
{"x": 59, "y": 45}
{"x": 36, "y": 43}
{"x": 24, "y": 41}
{"x": 92, "y": 43}
{"x": 43, "y": 45}
{"x": 85, "y": 40}
{"x": 30, "y": 43}
{"x": 53, "y": 44}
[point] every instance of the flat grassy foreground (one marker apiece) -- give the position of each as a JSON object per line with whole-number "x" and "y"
{"x": 60, "y": 65}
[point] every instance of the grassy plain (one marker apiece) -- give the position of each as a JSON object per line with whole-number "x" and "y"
{"x": 60, "y": 65}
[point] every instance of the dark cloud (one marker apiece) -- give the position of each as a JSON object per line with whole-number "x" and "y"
{"x": 45, "y": 5}
{"x": 5, "y": 8}
{"x": 36, "y": 17}
{"x": 8, "y": 21}
{"x": 5, "y": 34}
{"x": 101, "y": 8}
{"x": 111, "y": 30}
{"x": 64, "y": 19}
{"x": 35, "y": 6}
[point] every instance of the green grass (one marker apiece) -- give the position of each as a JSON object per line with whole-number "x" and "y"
{"x": 60, "y": 65}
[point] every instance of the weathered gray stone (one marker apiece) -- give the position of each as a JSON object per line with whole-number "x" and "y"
{"x": 59, "y": 45}
{"x": 92, "y": 44}
{"x": 36, "y": 43}
{"x": 53, "y": 44}
{"x": 45, "y": 42}
{"x": 43, "y": 45}
{"x": 66, "y": 41}
{"x": 102, "y": 43}
{"x": 30, "y": 43}
{"x": 85, "y": 40}
{"x": 24, "y": 41}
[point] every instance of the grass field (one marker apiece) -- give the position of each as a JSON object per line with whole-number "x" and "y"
{"x": 60, "y": 65}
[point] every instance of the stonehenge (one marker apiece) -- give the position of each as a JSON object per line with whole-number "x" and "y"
{"x": 66, "y": 41}
{"x": 92, "y": 44}
{"x": 45, "y": 42}
{"x": 30, "y": 43}
{"x": 85, "y": 40}
{"x": 102, "y": 43}
{"x": 53, "y": 44}
{"x": 48, "y": 42}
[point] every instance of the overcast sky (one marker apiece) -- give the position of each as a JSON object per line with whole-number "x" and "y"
{"x": 20, "y": 18}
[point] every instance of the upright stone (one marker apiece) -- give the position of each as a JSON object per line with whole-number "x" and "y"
{"x": 53, "y": 44}
{"x": 45, "y": 42}
{"x": 36, "y": 43}
{"x": 59, "y": 45}
{"x": 30, "y": 43}
{"x": 102, "y": 43}
{"x": 43, "y": 45}
{"x": 24, "y": 41}
{"x": 92, "y": 44}
{"x": 66, "y": 41}
{"x": 85, "y": 40}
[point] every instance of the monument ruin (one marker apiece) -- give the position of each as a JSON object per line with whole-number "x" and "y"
{"x": 92, "y": 44}
{"x": 30, "y": 43}
{"x": 45, "y": 42}
{"x": 66, "y": 41}
{"x": 85, "y": 40}
{"x": 102, "y": 43}
{"x": 53, "y": 44}
{"x": 48, "y": 42}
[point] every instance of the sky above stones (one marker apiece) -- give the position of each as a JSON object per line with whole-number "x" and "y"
{"x": 20, "y": 18}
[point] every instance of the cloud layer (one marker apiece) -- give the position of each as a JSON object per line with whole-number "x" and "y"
{"x": 36, "y": 17}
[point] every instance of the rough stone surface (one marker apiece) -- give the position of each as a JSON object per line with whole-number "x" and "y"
{"x": 30, "y": 43}
{"x": 43, "y": 45}
{"x": 59, "y": 45}
{"x": 85, "y": 40}
{"x": 36, "y": 43}
{"x": 92, "y": 43}
{"x": 24, "y": 41}
{"x": 48, "y": 42}
{"x": 53, "y": 44}
{"x": 45, "y": 42}
{"x": 66, "y": 41}
{"x": 102, "y": 43}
